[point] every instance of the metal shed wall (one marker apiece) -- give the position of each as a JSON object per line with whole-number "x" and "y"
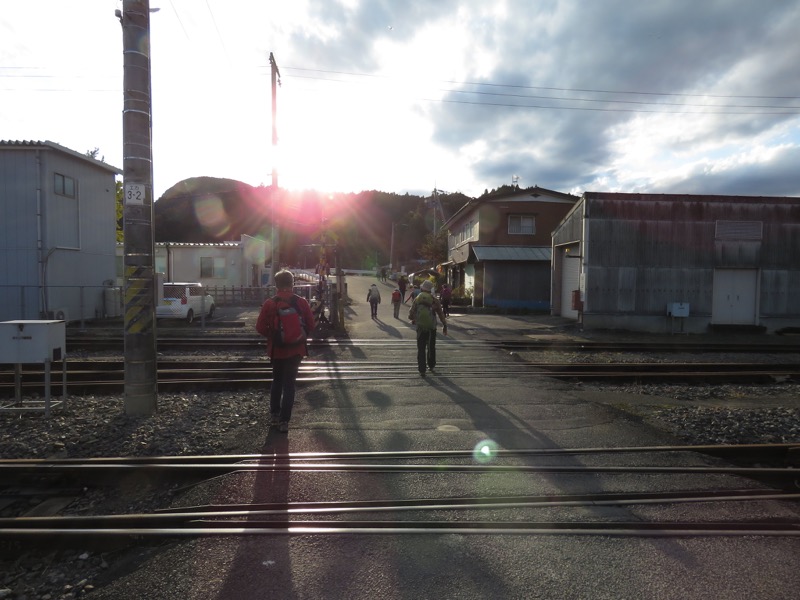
{"x": 642, "y": 252}
{"x": 81, "y": 260}
{"x": 571, "y": 227}
{"x": 76, "y": 259}
{"x": 18, "y": 233}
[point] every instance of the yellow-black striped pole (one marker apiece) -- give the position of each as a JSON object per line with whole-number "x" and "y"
{"x": 141, "y": 370}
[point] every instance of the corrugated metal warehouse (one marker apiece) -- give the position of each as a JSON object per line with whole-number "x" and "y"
{"x": 57, "y": 232}
{"x": 678, "y": 263}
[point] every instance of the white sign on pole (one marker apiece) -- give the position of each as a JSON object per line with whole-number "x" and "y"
{"x": 134, "y": 193}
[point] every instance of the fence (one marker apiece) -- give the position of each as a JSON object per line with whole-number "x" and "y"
{"x": 239, "y": 295}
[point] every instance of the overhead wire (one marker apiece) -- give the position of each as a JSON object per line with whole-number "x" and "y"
{"x": 721, "y": 109}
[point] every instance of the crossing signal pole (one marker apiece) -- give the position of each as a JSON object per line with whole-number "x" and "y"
{"x": 141, "y": 370}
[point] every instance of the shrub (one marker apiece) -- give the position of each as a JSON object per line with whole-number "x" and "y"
{"x": 461, "y": 297}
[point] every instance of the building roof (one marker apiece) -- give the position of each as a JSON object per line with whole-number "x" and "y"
{"x": 194, "y": 244}
{"x": 623, "y": 196}
{"x": 48, "y": 145}
{"x": 523, "y": 253}
{"x": 532, "y": 193}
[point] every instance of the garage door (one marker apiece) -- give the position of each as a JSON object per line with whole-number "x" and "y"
{"x": 570, "y": 280}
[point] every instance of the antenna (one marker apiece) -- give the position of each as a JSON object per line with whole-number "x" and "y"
{"x": 515, "y": 181}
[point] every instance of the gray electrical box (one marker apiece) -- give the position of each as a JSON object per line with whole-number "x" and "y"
{"x": 32, "y": 341}
{"x": 678, "y": 309}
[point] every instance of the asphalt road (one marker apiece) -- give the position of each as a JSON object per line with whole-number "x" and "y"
{"x": 448, "y": 413}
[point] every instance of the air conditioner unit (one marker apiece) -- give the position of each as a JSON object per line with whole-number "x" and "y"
{"x": 58, "y": 314}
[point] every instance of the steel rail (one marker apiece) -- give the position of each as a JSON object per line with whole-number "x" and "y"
{"x": 619, "y": 529}
{"x": 194, "y": 376}
{"x": 193, "y": 342}
{"x": 174, "y": 517}
{"x": 715, "y": 449}
{"x": 302, "y": 467}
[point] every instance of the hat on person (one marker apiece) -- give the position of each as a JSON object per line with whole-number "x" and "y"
{"x": 427, "y": 285}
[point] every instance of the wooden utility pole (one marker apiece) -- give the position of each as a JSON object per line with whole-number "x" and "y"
{"x": 275, "y": 78}
{"x": 141, "y": 370}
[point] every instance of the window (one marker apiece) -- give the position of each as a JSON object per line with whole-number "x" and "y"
{"x": 64, "y": 186}
{"x": 212, "y": 267}
{"x": 521, "y": 224}
{"x": 469, "y": 230}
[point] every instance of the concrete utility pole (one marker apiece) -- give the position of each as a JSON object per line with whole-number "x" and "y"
{"x": 275, "y": 77}
{"x": 141, "y": 371}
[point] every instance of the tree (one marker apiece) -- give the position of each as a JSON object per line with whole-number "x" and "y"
{"x": 434, "y": 248}
{"x": 119, "y": 212}
{"x": 95, "y": 154}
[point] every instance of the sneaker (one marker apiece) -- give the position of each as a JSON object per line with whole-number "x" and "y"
{"x": 275, "y": 420}
{"x": 422, "y": 373}
{"x": 284, "y": 427}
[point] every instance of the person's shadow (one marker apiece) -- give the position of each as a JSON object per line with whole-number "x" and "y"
{"x": 261, "y": 567}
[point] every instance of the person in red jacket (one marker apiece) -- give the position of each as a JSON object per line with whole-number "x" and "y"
{"x": 285, "y": 358}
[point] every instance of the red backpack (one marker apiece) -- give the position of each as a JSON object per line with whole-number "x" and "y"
{"x": 396, "y": 296}
{"x": 290, "y": 327}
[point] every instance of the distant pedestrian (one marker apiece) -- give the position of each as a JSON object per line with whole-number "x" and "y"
{"x": 374, "y": 298}
{"x": 414, "y": 293}
{"x": 445, "y": 295}
{"x": 383, "y": 273}
{"x": 402, "y": 284}
{"x": 397, "y": 298}
{"x": 285, "y": 320}
{"x": 423, "y": 313}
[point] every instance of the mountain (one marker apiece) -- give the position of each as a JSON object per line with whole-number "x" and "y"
{"x": 209, "y": 209}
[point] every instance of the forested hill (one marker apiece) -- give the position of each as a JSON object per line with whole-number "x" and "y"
{"x": 208, "y": 209}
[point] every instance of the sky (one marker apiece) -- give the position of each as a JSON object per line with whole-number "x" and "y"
{"x": 404, "y": 96}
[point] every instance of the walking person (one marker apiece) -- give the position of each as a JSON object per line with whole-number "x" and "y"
{"x": 397, "y": 297}
{"x": 423, "y": 313}
{"x": 444, "y": 296}
{"x": 402, "y": 283}
{"x": 414, "y": 293}
{"x": 285, "y": 320}
{"x": 374, "y": 298}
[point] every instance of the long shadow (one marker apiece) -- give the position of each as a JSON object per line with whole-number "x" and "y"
{"x": 511, "y": 434}
{"x": 392, "y": 331}
{"x": 261, "y": 567}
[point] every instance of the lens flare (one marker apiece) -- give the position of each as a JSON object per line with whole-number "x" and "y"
{"x": 485, "y": 451}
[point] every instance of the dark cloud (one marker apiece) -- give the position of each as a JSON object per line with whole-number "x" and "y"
{"x": 777, "y": 177}
{"x": 586, "y": 49}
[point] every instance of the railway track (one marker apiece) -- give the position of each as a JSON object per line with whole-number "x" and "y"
{"x": 228, "y": 342}
{"x": 488, "y": 515}
{"x": 85, "y": 376}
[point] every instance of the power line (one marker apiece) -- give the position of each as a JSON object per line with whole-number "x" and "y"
{"x": 712, "y": 109}
{"x": 628, "y": 110}
{"x": 533, "y": 87}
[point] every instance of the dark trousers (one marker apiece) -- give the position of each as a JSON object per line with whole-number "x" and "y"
{"x": 281, "y": 393}
{"x": 374, "y": 308}
{"x": 426, "y": 349}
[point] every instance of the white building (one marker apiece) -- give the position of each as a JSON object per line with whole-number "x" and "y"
{"x": 57, "y": 231}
